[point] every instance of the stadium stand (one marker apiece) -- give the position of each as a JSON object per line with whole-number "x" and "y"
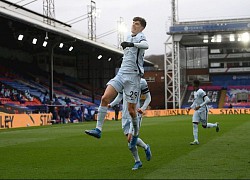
{"x": 24, "y": 81}
{"x": 237, "y": 96}
{"x": 230, "y": 80}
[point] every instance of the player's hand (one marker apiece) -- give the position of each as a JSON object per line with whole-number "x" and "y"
{"x": 139, "y": 110}
{"x": 127, "y": 44}
{"x": 196, "y": 108}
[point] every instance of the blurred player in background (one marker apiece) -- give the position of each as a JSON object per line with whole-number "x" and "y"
{"x": 201, "y": 111}
{"x": 127, "y": 124}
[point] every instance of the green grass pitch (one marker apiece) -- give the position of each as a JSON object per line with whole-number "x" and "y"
{"x": 65, "y": 152}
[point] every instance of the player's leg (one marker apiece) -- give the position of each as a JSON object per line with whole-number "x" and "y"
{"x": 135, "y": 124}
{"x": 134, "y": 152}
{"x": 146, "y": 148}
{"x": 213, "y": 125}
{"x": 217, "y": 127}
{"x": 195, "y": 121}
{"x": 138, "y": 163}
{"x": 128, "y": 130}
{"x": 205, "y": 124}
{"x": 135, "y": 121}
{"x": 141, "y": 143}
{"x": 132, "y": 89}
{"x": 108, "y": 95}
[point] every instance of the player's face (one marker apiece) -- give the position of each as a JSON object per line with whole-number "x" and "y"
{"x": 196, "y": 87}
{"x": 136, "y": 27}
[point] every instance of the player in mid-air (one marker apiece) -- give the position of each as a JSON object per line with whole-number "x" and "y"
{"x": 127, "y": 79}
{"x": 127, "y": 124}
{"x": 201, "y": 111}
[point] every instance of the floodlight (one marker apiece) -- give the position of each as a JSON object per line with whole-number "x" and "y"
{"x": 231, "y": 37}
{"x": 245, "y": 37}
{"x": 122, "y": 28}
{"x": 45, "y": 43}
{"x": 61, "y": 45}
{"x": 213, "y": 39}
{"x": 71, "y": 48}
{"x": 20, "y": 37}
{"x": 99, "y": 57}
{"x": 205, "y": 38}
{"x": 239, "y": 37}
{"x": 218, "y": 38}
{"x": 34, "y": 41}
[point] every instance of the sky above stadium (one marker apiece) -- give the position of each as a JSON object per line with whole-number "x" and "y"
{"x": 156, "y": 12}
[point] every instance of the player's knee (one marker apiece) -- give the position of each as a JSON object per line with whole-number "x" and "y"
{"x": 129, "y": 136}
{"x": 132, "y": 112}
{"x": 105, "y": 100}
{"x": 131, "y": 148}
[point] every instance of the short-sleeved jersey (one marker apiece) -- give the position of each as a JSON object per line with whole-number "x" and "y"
{"x": 133, "y": 57}
{"x": 199, "y": 96}
{"x": 144, "y": 90}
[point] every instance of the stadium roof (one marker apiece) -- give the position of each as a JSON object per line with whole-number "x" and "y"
{"x": 34, "y": 19}
{"x": 194, "y": 33}
{"x": 22, "y": 20}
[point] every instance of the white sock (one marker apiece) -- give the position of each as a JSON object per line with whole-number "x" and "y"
{"x": 134, "y": 152}
{"x": 135, "y": 126}
{"x": 210, "y": 125}
{"x": 140, "y": 143}
{"x": 102, "y": 111}
{"x": 195, "y": 131}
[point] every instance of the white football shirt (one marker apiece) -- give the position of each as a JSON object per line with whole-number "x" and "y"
{"x": 133, "y": 57}
{"x": 199, "y": 96}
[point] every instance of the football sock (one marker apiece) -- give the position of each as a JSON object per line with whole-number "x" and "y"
{"x": 102, "y": 111}
{"x": 195, "y": 131}
{"x": 134, "y": 152}
{"x": 210, "y": 125}
{"x": 140, "y": 143}
{"x": 135, "y": 126}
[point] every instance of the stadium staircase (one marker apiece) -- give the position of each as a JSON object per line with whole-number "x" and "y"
{"x": 222, "y": 98}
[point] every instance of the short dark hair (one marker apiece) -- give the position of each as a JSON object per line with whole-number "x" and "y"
{"x": 196, "y": 83}
{"x": 141, "y": 20}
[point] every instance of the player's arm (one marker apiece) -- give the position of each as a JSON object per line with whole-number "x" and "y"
{"x": 141, "y": 45}
{"x": 206, "y": 101}
{"x": 117, "y": 100}
{"x": 192, "y": 106}
{"x": 145, "y": 104}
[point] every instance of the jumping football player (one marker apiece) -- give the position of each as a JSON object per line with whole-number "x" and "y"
{"x": 127, "y": 79}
